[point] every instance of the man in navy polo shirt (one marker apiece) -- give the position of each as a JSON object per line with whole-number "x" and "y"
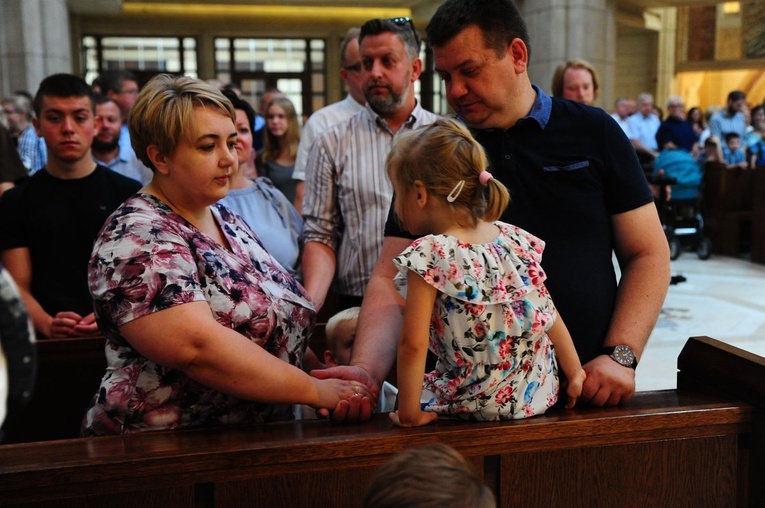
{"x": 575, "y": 182}
{"x": 676, "y": 131}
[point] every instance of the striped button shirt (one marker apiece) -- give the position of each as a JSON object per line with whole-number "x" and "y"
{"x": 348, "y": 193}
{"x": 32, "y": 150}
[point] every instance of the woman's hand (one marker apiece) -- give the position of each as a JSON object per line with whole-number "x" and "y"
{"x": 420, "y": 418}
{"x": 87, "y": 327}
{"x": 331, "y": 391}
{"x": 573, "y": 387}
{"x": 67, "y": 324}
{"x": 355, "y": 409}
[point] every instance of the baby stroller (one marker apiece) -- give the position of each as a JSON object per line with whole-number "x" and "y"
{"x": 680, "y": 215}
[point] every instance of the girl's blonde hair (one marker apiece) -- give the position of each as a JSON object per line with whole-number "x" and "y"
{"x": 441, "y": 155}
{"x": 163, "y": 114}
{"x": 271, "y": 148}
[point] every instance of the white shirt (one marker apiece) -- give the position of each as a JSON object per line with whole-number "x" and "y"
{"x": 319, "y": 122}
{"x": 644, "y": 129}
{"x": 127, "y": 164}
{"x": 623, "y": 123}
{"x": 348, "y": 193}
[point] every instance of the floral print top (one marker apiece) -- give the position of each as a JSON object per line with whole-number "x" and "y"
{"x": 488, "y": 327}
{"x": 147, "y": 259}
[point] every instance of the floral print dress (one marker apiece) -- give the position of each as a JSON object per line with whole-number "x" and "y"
{"x": 147, "y": 259}
{"x": 488, "y": 327}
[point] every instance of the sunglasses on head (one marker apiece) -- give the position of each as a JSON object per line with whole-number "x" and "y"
{"x": 402, "y": 22}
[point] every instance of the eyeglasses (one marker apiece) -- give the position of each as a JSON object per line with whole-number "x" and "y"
{"x": 402, "y": 22}
{"x": 353, "y": 68}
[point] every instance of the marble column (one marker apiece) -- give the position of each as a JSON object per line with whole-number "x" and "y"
{"x": 564, "y": 29}
{"x": 34, "y": 43}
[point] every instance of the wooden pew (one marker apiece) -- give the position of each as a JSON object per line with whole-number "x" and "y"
{"x": 69, "y": 372}
{"x": 700, "y": 445}
{"x": 728, "y": 199}
{"x": 758, "y": 216}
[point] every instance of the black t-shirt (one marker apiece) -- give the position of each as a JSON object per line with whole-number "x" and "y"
{"x": 567, "y": 175}
{"x": 58, "y": 220}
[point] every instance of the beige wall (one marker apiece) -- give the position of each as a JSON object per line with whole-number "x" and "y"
{"x": 636, "y": 64}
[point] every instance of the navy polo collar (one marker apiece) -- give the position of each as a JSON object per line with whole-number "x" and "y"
{"x": 540, "y": 111}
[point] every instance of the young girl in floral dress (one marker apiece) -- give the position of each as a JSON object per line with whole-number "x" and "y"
{"x": 474, "y": 291}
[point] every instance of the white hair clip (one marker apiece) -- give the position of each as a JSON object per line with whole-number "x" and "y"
{"x": 454, "y": 194}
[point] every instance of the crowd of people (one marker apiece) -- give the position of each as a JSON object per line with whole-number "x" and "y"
{"x": 202, "y": 238}
{"x": 737, "y": 130}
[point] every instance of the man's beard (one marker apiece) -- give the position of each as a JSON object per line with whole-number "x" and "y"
{"x": 105, "y": 146}
{"x": 385, "y": 104}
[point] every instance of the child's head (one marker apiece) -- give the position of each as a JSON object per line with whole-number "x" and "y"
{"x": 444, "y": 159}
{"x": 341, "y": 334}
{"x": 733, "y": 141}
{"x": 712, "y": 149}
{"x": 430, "y": 476}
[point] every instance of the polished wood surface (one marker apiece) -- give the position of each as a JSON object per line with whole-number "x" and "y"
{"x": 707, "y": 365}
{"x": 334, "y": 462}
{"x": 695, "y": 446}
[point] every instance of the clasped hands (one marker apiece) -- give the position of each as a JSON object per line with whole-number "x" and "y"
{"x": 357, "y": 407}
{"x": 70, "y": 324}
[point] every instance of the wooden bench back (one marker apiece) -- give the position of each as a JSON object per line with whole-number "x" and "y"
{"x": 700, "y": 445}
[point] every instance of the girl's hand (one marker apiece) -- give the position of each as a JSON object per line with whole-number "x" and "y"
{"x": 574, "y": 387}
{"x": 421, "y": 418}
{"x": 331, "y": 391}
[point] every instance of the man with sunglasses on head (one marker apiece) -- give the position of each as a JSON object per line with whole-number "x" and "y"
{"x": 575, "y": 182}
{"x": 321, "y": 120}
{"x": 347, "y": 191}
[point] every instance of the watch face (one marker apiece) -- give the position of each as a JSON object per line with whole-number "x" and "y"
{"x": 623, "y": 355}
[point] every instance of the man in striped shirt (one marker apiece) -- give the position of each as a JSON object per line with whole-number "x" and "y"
{"x": 347, "y": 193}
{"x": 31, "y": 147}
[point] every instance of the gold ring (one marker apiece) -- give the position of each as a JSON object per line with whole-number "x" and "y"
{"x": 356, "y": 389}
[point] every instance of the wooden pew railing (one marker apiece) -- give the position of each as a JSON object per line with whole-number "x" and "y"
{"x": 699, "y": 445}
{"x": 758, "y": 216}
{"x": 69, "y": 372}
{"x": 727, "y": 207}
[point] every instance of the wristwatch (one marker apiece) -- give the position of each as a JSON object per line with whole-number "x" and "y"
{"x": 621, "y": 354}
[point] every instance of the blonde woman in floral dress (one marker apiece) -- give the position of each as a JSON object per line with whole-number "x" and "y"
{"x": 203, "y": 326}
{"x": 474, "y": 291}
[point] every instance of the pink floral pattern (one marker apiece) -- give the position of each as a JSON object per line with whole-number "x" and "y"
{"x": 488, "y": 327}
{"x": 146, "y": 259}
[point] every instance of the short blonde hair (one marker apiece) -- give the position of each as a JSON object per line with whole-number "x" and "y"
{"x": 350, "y": 314}
{"x": 440, "y": 155}
{"x": 163, "y": 114}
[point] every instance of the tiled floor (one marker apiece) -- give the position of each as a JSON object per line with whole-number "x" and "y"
{"x": 723, "y": 298}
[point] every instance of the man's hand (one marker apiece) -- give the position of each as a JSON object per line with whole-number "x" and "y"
{"x": 355, "y": 409}
{"x": 607, "y": 383}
